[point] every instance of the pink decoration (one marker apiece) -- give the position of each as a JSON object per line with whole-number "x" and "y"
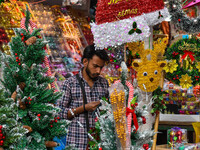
{"x": 117, "y": 66}
{"x": 31, "y": 24}
{"x": 192, "y": 3}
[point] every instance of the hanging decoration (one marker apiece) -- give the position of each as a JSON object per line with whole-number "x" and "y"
{"x": 183, "y": 65}
{"x": 191, "y": 4}
{"x": 180, "y": 18}
{"x": 115, "y": 20}
{"x": 149, "y": 69}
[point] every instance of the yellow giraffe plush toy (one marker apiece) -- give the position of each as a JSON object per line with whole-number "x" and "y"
{"x": 149, "y": 69}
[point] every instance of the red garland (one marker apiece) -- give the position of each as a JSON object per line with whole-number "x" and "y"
{"x": 128, "y": 111}
{"x": 109, "y": 13}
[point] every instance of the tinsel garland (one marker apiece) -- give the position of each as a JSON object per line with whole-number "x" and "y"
{"x": 116, "y": 33}
{"x": 180, "y": 18}
{"x": 184, "y": 57}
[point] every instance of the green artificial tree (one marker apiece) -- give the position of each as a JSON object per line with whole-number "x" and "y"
{"x": 10, "y": 130}
{"x": 25, "y": 81}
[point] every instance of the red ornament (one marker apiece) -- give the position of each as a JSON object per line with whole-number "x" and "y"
{"x": 179, "y": 20}
{"x": 38, "y": 118}
{"x": 132, "y": 105}
{"x": 55, "y": 118}
{"x": 56, "y": 121}
{"x": 22, "y": 34}
{"x": 19, "y": 64}
{"x": 30, "y": 99}
{"x": 100, "y": 148}
{"x": 58, "y": 118}
{"x": 22, "y": 38}
{"x": 146, "y": 146}
{"x": 29, "y": 102}
{"x": 135, "y": 29}
{"x": 26, "y": 102}
{"x": 17, "y": 57}
{"x": 1, "y": 127}
{"x": 51, "y": 126}
{"x": 38, "y": 115}
{"x": 4, "y": 137}
{"x": 1, "y": 141}
{"x": 1, "y": 135}
{"x": 136, "y": 104}
{"x": 15, "y": 54}
{"x": 196, "y": 79}
{"x": 179, "y": 136}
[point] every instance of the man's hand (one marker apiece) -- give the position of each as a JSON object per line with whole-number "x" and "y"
{"x": 92, "y": 106}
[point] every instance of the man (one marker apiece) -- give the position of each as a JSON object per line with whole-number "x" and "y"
{"x": 95, "y": 87}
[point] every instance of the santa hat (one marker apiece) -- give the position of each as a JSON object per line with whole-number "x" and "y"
{"x": 123, "y": 21}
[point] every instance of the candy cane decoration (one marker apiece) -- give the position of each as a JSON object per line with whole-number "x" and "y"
{"x": 46, "y": 62}
{"x": 31, "y": 24}
{"x": 130, "y": 97}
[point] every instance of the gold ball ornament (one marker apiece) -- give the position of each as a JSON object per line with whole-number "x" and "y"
{"x": 172, "y": 133}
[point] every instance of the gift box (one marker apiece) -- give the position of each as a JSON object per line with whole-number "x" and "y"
{"x": 176, "y": 137}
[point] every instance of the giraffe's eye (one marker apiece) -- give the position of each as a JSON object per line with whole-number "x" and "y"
{"x": 155, "y": 72}
{"x": 145, "y": 74}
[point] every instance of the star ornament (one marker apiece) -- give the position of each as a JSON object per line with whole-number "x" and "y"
{"x": 185, "y": 81}
{"x": 171, "y": 66}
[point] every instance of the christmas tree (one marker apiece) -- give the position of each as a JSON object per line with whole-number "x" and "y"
{"x": 22, "y": 70}
{"x": 10, "y": 130}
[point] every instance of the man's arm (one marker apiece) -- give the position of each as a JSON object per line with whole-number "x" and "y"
{"x": 65, "y": 102}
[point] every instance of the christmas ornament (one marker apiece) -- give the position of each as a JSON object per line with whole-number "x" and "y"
{"x": 180, "y": 18}
{"x": 185, "y": 81}
{"x": 117, "y": 98}
{"x": 184, "y": 53}
{"x": 31, "y": 40}
{"x": 192, "y": 3}
{"x": 179, "y": 136}
{"x": 149, "y": 68}
{"x": 171, "y": 66}
{"x": 114, "y": 20}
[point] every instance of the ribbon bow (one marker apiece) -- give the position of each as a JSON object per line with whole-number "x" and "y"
{"x": 188, "y": 53}
{"x": 128, "y": 111}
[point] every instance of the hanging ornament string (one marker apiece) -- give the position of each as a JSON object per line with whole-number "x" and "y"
{"x": 130, "y": 97}
{"x": 33, "y": 26}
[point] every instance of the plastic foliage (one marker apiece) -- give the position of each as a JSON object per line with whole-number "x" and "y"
{"x": 158, "y": 102}
{"x": 104, "y": 131}
{"x": 180, "y": 18}
{"x": 36, "y": 101}
{"x": 11, "y": 130}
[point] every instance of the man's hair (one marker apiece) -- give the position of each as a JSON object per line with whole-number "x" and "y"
{"x": 90, "y": 51}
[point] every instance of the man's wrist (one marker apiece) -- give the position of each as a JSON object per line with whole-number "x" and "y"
{"x": 74, "y": 110}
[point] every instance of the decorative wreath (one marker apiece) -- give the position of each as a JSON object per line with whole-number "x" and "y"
{"x": 183, "y": 67}
{"x": 180, "y": 18}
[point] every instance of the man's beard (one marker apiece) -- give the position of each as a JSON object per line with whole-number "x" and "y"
{"x": 89, "y": 74}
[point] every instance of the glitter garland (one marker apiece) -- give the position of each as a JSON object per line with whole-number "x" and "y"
{"x": 180, "y": 18}
{"x": 116, "y": 33}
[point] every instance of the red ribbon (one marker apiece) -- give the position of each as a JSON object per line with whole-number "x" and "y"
{"x": 188, "y": 53}
{"x": 128, "y": 111}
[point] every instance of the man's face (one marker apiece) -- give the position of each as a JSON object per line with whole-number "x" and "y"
{"x": 93, "y": 67}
